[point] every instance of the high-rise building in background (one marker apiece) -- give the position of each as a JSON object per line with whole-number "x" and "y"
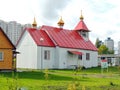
{"x": 26, "y": 25}
{"x": 119, "y": 48}
{"x": 3, "y": 25}
{"x": 13, "y": 29}
{"x": 109, "y": 43}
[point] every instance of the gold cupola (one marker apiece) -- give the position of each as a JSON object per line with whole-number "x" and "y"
{"x": 60, "y": 23}
{"x": 81, "y": 17}
{"x": 34, "y": 23}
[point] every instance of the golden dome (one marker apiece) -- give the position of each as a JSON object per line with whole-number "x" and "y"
{"x": 61, "y": 22}
{"x": 34, "y": 23}
{"x": 81, "y": 17}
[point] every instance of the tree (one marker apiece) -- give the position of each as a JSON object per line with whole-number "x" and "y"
{"x": 111, "y": 51}
{"x": 98, "y": 43}
{"x": 103, "y": 49}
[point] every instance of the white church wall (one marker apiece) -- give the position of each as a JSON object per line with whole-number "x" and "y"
{"x": 28, "y": 52}
{"x": 43, "y": 63}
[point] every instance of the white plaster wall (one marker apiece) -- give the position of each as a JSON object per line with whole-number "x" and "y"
{"x": 28, "y": 52}
{"x": 65, "y": 59}
{"x": 93, "y": 62}
{"x": 56, "y": 56}
{"x": 62, "y": 58}
{"x": 41, "y": 62}
{"x": 94, "y": 58}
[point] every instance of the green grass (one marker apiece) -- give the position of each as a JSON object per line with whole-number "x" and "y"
{"x": 91, "y": 79}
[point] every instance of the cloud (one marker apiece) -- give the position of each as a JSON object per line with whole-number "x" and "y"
{"x": 50, "y": 9}
{"x": 100, "y": 6}
{"x": 103, "y": 19}
{"x": 15, "y": 10}
{"x": 101, "y": 16}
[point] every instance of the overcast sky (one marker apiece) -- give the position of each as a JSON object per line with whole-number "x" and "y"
{"x": 102, "y": 17}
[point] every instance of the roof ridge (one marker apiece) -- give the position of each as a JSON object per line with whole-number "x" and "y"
{"x": 51, "y": 37}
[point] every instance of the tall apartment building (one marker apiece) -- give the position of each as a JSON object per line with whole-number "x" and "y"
{"x": 14, "y": 31}
{"x": 27, "y": 25}
{"x": 119, "y": 48}
{"x": 3, "y": 25}
{"x": 109, "y": 43}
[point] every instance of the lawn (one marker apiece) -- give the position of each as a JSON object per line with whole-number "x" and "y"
{"x": 87, "y": 79}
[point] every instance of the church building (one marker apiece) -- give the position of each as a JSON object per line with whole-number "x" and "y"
{"x": 56, "y": 48}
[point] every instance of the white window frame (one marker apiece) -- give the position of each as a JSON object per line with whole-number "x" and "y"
{"x": 2, "y": 55}
{"x": 47, "y": 54}
{"x": 80, "y": 57}
{"x": 87, "y": 56}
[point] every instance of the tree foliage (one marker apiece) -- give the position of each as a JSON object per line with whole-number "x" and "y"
{"x": 110, "y": 51}
{"x": 98, "y": 43}
{"x": 103, "y": 49}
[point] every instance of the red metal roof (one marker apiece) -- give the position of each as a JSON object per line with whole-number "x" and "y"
{"x": 38, "y": 34}
{"x": 68, "y": 38}
{"x": 81, "y": 26}
{"x": 76, "y": 52}
{"x": 53, "y": 36}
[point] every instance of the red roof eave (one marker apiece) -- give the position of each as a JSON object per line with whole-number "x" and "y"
{"x": 76, "y": 52}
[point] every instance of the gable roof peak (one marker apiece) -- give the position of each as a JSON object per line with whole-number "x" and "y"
{"x": 13, "y": 46}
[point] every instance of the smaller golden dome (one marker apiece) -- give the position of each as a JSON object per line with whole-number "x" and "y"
{"x": 61, "y": 22}
{"x": 81, "y": 17}
{"x": 34, "y": 23}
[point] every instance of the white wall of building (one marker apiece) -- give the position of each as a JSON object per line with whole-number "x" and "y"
{"x": 28, "y": 53}
{"x": 56, "y": 57}
{"x": 42, "y": 63}
{"x": 66, "y": 60}
{"x": 93, "y": 59}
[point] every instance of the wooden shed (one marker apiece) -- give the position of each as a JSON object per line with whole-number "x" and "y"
{"x": 7, "y": 49}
